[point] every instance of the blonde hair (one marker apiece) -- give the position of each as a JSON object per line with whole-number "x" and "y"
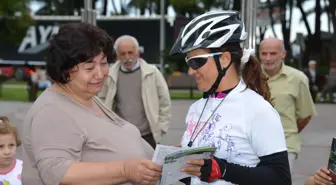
{"x": 6, "y": 127}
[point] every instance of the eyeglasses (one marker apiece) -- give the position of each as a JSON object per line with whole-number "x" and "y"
{"x": 198, "y": 61}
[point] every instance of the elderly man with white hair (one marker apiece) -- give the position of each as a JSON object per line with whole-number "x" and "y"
{"x": 137, "y": 91}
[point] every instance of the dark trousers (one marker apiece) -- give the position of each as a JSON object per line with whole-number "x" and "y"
{"x": 150, "y": 140}
{"x": 313, "y": 93}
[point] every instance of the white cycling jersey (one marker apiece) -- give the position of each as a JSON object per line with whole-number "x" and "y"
{"x": 243, "y": 128}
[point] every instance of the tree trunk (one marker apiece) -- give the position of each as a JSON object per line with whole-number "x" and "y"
{"x": 93, "y": 5}
{"x": 304, "y": 16}
{"x": 237, "y": 5}
{"x": 317, "y": 34}
{"x": 115, "y": 11}
{"x": 286, "y": 26}
{"x": 150, "y": 6}
{"x": 309, "y": 39}
{"x": 105, "y": 7}
{"x": 262, "y": 31}
{"x": 270, "y": 6}
{"x": 332, "y": 8}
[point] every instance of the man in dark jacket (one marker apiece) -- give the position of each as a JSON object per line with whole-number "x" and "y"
{"x": 313, "y": 77}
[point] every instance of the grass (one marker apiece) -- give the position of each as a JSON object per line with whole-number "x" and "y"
{"x": 184, "y": 95}
{"x": 15, "y": 94}
{"x": 21, "y": 94}
{"x": 14, "y": 82}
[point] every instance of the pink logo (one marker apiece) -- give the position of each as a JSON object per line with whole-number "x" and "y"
{"x": 19, "y": 176}
{"x": 192, "y": 124}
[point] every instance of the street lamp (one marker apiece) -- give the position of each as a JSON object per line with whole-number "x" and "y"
{"x": 249, "y": 17}
{"x": 88, "y": 14}
{"x": 162, "y": 35}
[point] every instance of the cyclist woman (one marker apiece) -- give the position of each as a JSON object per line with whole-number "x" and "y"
{"x": 235, "y": 114}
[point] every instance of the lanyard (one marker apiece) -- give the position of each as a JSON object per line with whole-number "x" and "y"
{"x": 191, "y": 138}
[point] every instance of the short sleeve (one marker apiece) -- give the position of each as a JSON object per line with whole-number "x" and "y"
{"x": 266, "y": 132}
{"x": 56, "y": 143}
{"x": 304, "y": 103}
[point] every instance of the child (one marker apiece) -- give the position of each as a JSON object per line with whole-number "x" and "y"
{"x": 10, "y": 167}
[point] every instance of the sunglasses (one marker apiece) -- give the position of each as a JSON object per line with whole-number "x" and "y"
{"x": 198, "y": 61}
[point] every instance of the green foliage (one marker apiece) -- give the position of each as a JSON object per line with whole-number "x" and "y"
{"x": 65, "y": 7}
{"x": 186, "y": 6}
{"x": 181, "y": 7}
{"x": 14, "y": 20}
{"x": 176, "y": 63}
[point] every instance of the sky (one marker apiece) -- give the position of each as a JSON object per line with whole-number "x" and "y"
{"x": 297, "y": 25}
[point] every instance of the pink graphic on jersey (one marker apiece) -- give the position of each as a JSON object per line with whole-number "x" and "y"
{"x": 192, "y": 124}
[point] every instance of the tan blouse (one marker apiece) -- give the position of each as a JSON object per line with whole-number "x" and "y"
{"x": 57, "y": 131}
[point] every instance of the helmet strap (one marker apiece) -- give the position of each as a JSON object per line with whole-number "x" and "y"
{"x": 221, "y": 74}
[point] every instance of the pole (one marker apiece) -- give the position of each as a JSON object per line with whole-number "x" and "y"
{"x": 250, "y": 21}
{"x": 88, "y": 4}
{"x": 254, "y": 23}
{"x": 88, "y": 14}
{"x": 162, "y": 35}
{"x": 243, "y": 4}
{"x": 248, "y": 16}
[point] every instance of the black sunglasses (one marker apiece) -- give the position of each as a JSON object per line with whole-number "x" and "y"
{"x": 198, "y": 61}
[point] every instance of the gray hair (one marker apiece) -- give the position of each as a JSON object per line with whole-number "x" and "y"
{"x": 126, "y": 37}
{"x": 282, "y": 45}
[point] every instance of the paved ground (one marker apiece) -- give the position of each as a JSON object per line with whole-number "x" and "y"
{"x": 316, "y": 137}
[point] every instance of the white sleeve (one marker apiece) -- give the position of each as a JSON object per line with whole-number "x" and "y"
{"x": 266, "y": 132}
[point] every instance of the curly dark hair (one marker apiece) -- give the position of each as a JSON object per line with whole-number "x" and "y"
{"x": 73, "y": 44}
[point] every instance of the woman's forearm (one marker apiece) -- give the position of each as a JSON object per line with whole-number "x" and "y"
{"x": 82, "y": 173}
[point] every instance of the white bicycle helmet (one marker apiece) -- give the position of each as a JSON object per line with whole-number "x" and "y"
{"x": 210, "y": 30}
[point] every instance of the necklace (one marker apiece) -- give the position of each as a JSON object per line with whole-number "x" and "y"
{"x": 191, "y": 141}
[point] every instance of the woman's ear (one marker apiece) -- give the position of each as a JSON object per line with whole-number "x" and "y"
{"x": 225, "y": 59}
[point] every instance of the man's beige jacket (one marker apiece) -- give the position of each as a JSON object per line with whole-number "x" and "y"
{"x": 155, "y": 96}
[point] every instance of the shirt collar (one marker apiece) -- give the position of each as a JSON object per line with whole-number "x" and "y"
{"x": 239, "y": 88}
{"x": 282, "y": 71}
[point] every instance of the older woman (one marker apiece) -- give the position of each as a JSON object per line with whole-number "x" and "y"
{"x": 69, "y": 136}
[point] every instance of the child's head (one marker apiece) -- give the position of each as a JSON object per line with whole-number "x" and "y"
{"x": 9, "y": 141}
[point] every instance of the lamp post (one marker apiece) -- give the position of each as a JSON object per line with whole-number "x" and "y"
{"x": 162, "y": 34}
{"x": 249, "y": 17}
{"x": 88, "y": 14}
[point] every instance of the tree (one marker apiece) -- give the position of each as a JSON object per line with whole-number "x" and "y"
{"x": 182, "y": 8}
{"x": 313, "y": 41}
{"x": 286, "y": 5}
{"x": 14, "y": 20}
{"x": 64, "y": 7}
{"x": 331, "y": 10}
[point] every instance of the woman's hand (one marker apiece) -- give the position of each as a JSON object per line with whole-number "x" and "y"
{"x": 195, "y": 168}
{"x": 142, "y": 171}
{"x": 321, "y": 177}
